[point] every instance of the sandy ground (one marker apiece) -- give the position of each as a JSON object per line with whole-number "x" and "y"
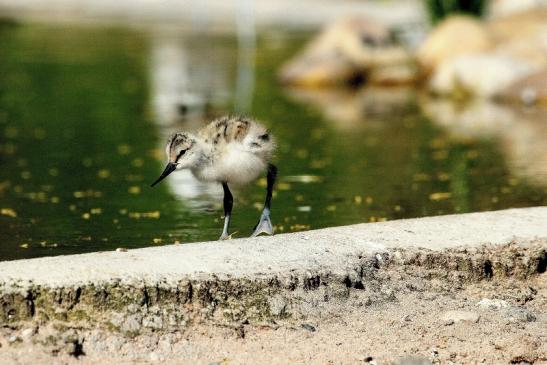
{"x": 408, "y": 323}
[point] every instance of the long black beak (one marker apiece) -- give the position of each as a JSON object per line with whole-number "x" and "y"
{"x": 168, "y": 169}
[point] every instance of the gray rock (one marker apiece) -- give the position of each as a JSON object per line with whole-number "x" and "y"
{"x": 133, "y": 308}
{"x": 278, "y": 305}
{"x": 450, "y": 317}
{"x": 131, "y": 324}
{"x": 153, "y": 321}
{"x": 517, "y": 314}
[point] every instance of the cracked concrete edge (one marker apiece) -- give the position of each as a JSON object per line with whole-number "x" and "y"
{"x": 330, "y": 249}
{"x": 271, "y": 277}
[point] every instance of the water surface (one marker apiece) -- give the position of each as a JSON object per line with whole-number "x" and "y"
{"x": 84, "y": 113}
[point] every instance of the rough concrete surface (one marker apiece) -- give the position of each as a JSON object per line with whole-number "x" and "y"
{"x": 467, "y": 288}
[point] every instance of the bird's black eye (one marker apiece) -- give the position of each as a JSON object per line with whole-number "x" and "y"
{"x": 181, "y": 153}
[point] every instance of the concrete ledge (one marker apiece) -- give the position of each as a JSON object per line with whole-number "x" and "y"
{"x": 331, "y": 249}
{"x": 254, "y": 270}
{"x": 164, "y": 290}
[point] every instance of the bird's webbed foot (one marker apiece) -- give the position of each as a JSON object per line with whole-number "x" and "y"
{"x": 264, "y": 224}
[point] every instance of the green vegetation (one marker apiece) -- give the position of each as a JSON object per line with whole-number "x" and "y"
{"x": 439, "y": 9}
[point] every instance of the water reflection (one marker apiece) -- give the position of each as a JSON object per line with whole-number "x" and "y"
{"x": 347, "y": 109}
{"x": 519, "y": 132}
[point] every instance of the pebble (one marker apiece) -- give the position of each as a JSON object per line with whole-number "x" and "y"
{"x": 27, "y": 333}
{"x": 407, "y": 318}
{"x": 497, "y": 304}
{"x": 451, "y": 317}
{"x": 308, "y": 327}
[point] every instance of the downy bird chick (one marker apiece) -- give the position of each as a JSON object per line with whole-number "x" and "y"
{"x": 230, "y": 151}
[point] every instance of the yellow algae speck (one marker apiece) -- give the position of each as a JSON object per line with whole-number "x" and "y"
{"x": 138, "y": 215}
{"x": 87, "y": 162}
{"x": 86, "y": 216}
{"x": 437, "y": 143}
{"x": 440, "y": 196}
{"x": 397, "y": 208}
{"x": 103, "y": 173}
{"x": 39, "y": 133}
{"x": 124, "y": 149}
{"x": 134, "y": 189}
{"x": 10, "y": 148}
{"x": 369, "y": 200}
{"x": 299, "y": 227}
{"x": 8, "y": 212}
{"x": 157, "y": 240}
{"x": 331, "y": 208}
{"x": 262, "y": 182}
{"x": 137, "y": 162}
{"x": 440, "y": 155}
{"x": 24, "y": 245}
{"x": 55, "y": 200}
{"x": 302, "y": 153}
{"x": 283, "y": 186}
{"x": 319, "y": 164}
{"x": 443, "y": 176}
{"x": 472, "y": 154}
{"x": 357, "y": 199}
{"x": 305, "y": 179}
{"x": 11, "y": 132}
{"x": 96, "y": 211}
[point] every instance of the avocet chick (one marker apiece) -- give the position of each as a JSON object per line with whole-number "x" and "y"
{"x": 231, "y": 151}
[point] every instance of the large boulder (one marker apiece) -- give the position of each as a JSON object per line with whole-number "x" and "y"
{"x": 522, "y": 35}
{"x": 482, "y": 75}
{"x": 472, "y": 58}
{"x": 455, "y": 36}
{"x": 345, "y": 52}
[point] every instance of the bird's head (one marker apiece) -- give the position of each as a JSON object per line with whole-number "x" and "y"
{"x": 182, "y": 153}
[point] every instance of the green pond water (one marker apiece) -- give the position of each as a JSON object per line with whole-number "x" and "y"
{"x": 79, "y": 146}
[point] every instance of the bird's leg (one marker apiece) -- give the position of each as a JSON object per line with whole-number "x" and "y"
{"x": 228, "y": 203}
{"x": 265, "y": 224}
